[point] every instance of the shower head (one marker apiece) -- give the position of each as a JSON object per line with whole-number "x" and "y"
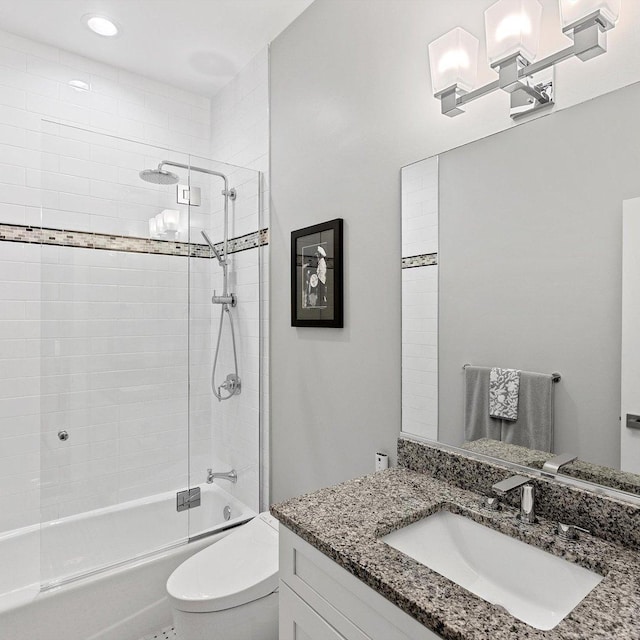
{"x": 159, "y": 176}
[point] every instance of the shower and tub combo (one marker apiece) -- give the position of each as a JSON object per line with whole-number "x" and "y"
{"x": 129, "y": 370}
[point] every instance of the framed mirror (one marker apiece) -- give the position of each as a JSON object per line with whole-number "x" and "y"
{"x": 513, "y": 258}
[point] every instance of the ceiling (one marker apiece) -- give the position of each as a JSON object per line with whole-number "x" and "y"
{"x": 197, "y": 45}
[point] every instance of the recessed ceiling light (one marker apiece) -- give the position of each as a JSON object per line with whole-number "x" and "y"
{"x": 101, "y": 25}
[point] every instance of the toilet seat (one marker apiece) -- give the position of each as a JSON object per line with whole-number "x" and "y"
{"x": 240, "y": 568}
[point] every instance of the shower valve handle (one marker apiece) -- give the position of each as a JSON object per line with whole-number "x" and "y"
{"x": 232, "y": 384}
{"x": 228, "y": 299}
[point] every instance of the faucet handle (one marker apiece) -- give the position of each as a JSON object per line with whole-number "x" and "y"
{"x": 569, "y": 531}
{"x": 492, "y": 503}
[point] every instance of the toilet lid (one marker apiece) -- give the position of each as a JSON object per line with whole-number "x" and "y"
{"x": 238, "y": 569}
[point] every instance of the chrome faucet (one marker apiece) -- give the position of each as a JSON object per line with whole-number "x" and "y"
{"x": 527, "y": 495}
{"x": 231, "y": 476}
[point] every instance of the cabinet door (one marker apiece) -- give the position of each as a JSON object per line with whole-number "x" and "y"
{"x": 351, "y": 608}
{"x": 298, "y": 621}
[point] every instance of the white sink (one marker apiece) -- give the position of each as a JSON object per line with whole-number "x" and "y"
{"x": 532, "y": 585}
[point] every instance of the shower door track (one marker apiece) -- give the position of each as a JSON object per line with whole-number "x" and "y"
{"x": 54, "y": 584}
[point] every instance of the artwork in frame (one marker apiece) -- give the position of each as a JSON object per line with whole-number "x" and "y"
{"x": 316, "y": 276}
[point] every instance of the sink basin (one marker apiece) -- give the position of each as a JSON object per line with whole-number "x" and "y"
{"x": 532, "y": 585}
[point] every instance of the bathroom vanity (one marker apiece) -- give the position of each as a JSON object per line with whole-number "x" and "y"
{"x": 320, "y": 600}
{"x": 341, "y": 580}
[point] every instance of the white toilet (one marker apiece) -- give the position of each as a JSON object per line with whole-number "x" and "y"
{"x": 229, "y": 591}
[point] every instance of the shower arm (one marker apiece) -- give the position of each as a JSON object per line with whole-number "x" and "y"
{"x": 226, "y": 193}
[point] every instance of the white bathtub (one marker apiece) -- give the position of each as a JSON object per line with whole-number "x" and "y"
{"x": 104, "y": 571}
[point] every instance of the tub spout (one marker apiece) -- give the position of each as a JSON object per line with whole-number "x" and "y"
{"x": 231, "y": 476}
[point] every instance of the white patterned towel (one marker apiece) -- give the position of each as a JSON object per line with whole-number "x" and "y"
{"x": 504, "y": 386}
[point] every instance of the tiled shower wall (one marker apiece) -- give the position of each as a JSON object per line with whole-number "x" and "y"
{"x": 240, "y": 136}
{"x": 114, "y": 375}
{"x": 420, "y": 299}
{"x": 120, "y": 316}
{"x": 19, "y": 385}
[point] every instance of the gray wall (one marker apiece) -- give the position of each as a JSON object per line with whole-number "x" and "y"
{"x": 530, "y": 263}
{"x": 350, "y": 104}
{"x": 336, "y": 150}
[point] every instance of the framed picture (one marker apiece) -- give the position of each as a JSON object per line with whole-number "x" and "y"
{"x": 316, "y": 275}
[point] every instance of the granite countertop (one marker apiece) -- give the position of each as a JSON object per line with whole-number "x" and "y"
{"x": 622, "y": 480}
{"x": 344, "y": 522}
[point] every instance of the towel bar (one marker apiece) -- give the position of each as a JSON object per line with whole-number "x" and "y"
{"x": 555, "y": 376}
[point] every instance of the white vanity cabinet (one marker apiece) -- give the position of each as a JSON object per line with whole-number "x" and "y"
{"x": 319, "y": 600}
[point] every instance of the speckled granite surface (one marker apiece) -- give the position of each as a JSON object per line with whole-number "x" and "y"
{"x": 608, "y": 518}
{"x": 344, "y": 522}
{"x": 589, "y": 471}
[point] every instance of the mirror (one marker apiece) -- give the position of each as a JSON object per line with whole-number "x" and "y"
{"x": 513, "y": 258}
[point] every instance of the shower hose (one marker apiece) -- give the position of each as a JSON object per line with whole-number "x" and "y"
{"x": 231, "y": 387}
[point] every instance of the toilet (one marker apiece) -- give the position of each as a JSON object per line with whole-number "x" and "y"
{"x": 230, "y": 589}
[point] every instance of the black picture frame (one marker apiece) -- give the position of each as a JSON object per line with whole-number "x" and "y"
{"x": 317, "y": 276}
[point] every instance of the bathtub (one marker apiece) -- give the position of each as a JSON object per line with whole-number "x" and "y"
{"x": 101, "y": 575}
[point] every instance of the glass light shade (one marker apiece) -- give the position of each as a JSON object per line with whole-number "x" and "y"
{"x": 573, "y": 11}
{"x": 512, "y": 28}
{"x": 453, "y": 59}
{"x": 160, "y": 228}
{"x": 153, "y": 228}
{"x": 171, "y": 219}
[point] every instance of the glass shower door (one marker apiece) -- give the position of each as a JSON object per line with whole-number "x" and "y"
{"x": 224, "y": 434}
{"x": 114, "y": 335}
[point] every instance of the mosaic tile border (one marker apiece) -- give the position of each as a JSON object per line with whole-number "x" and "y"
{"x": 423, "y": 260}
{"x": 107, "y": 242}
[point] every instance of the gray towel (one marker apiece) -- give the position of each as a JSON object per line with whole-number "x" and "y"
{"x": 534, "y": 426}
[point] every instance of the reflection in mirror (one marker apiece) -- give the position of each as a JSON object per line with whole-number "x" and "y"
{"x": 420, "y": 299}
{"x": 512, "y": 259}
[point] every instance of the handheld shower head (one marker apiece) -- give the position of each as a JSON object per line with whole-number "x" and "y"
{"x": 222, "y": 262}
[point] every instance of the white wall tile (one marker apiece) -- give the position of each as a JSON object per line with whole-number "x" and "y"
{"x": 420, "y": 208}
{"x": 240, "y": 136}
{"x": 420, "y": 351}
{"x": 34, "y": 85}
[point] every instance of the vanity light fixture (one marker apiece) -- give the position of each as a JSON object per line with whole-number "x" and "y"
{"x": 101, "y": 25}
{"x": 165, "y": 224}
{"x": 513, "y": 33}
{"x": 153, "y": 228}
{"x": 171, "y": 220}
{"x": 160, "y": 228}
